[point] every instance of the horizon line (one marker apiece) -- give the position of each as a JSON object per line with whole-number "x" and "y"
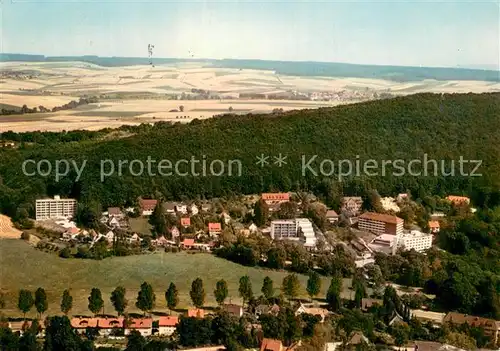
{"x": 477, "y": 68}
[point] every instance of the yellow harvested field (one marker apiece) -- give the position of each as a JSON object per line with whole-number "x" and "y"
{"x": 144, "y": 94}
{"x": 34, "y": 100}
{"x": 7, "y": 230}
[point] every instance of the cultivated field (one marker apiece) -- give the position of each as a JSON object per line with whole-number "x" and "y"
{"x": 7, "y": 230}
{"x": 22, "y": 266}
{"x": 146, "y": 94}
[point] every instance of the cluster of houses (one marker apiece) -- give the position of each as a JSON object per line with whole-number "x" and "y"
{"x": 490, "y": 327}
{"x": 166, "y": 325}
{"x": 389, "y": 231}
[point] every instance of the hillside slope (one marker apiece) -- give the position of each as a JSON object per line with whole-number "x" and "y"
{"x": 445, "y": 127}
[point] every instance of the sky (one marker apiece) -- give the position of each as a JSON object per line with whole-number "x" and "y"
{"x": 408, "y": 33}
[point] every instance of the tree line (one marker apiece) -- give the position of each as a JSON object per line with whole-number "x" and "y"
{"x": 42, "y": 109}
{"x": 146, "y": 297}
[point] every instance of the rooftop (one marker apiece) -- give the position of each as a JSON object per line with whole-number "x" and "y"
{"x": 381, "y": 217}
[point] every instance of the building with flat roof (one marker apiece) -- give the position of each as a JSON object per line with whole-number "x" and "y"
{"x": 55, "y": 208}
{"x": 415, "y": 240}
{"x": 380, "y": 223}
{"x": 294, "y": 229}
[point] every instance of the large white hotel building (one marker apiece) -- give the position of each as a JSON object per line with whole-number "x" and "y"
{"x": 55, "y": 208}
{"x": 288, "y": 229}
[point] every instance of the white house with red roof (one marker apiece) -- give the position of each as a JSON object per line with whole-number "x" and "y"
{"x": 147, "y": 206}
{"x": 185, "y": 222}
{"x": 167, "y": 325}
{"x": 187, "y": 243}
{"x": 214, "y": 228}
{"x": 142, "y": 325}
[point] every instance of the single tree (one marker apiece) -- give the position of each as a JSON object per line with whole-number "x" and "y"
{"x": 333, "y": 294}
{"x": 2, "y": 301}
{"x": 118, "y": 300}
{"x": 66, "y": 302}
{"x": 276, "y": 257}
{"x": 290, "y": 286}
{"x": 158, "y": 220}
{"x": 197, "y": 292}
{"x": 401, "y": 333}
{"x": 181, "y": 108}
{"x": 25, "y": 301}
{"x": 145, "y": 298}
{"x": 28, "y": 340}
{"x": 359, "y": 294}
{"x": 59, "y": 335}
{"x": 135, "y": 341}
{"x": 172, "y": 296}
{"x": 245, "y": 289}
{"x": 267, "y": 288}
{"x": 261, "y": 213}
{"x": 221, "y": 291}
{"x": 96, "y": 303}
{"x": 313, "y": 284}
{"x": 41, "y": 303}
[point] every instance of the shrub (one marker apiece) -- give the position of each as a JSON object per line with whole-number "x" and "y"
{"x": 25, "y": 236}
{"x": 65, "y": 253}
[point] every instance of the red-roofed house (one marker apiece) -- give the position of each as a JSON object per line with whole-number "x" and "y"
{"x": 106, "y": 325}
{"x": 142, "y": 325}
{"x": 214, "y": 228}
{"x": 21, "y": 326}
{"x": 187, "y": 243}
{"x": 271, "y": 345}
{"x": 80, "y": 324}
{"x": 332, "y": 216}
{"x": 115, "y": 212}
{"x": 167, "y": 325}
{"x": 196, "y": 313}
{"x": 185, "y": 221}
{"x": 434, "y": 227}
{"x": 275, "y": 198}
{"x": 491, "y": 327}
{"x": 458, "y": 200}
{"x": 147, "y": 206}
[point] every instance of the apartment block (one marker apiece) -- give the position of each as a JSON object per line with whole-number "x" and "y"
{"x": 380, "y": 223}
{"x": 415, "y": 240}
{"x": 294, "y": 229}
{"x": 55, "y": 208}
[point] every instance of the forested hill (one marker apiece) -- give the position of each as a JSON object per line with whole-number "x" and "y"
{"x": 445, "y": 127}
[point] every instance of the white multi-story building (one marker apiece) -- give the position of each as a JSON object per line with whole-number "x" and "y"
{"x": 414, "y": 240}
{"x": 55, "y": 208}
{"x": 294, "y": 229}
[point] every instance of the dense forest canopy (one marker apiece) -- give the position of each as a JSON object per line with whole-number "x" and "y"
{"x": 445, "y": 127}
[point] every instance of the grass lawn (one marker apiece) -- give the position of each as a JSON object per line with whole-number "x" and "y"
{"x": 22, "y": 266}
{"x": 140, "y": 225}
